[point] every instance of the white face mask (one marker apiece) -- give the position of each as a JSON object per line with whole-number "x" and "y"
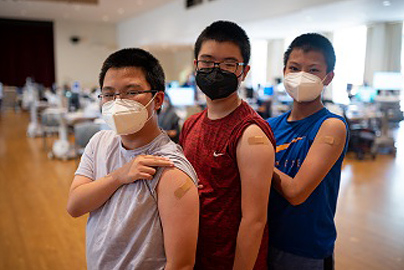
{"x": 125, "y": 116}
{"x": 302, "y": 86}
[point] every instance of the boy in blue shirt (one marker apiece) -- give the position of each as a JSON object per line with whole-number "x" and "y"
{"x": 310, "y": 146}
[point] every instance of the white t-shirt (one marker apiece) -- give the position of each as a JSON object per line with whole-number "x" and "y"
{"x": 126, "y": 232}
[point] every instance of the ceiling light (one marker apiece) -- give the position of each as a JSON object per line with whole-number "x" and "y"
{"x": 140, "y": 2}
{"x": 386, "y": 3}
{"x": 105, "y": 18}
{"x": 121, "y": 11}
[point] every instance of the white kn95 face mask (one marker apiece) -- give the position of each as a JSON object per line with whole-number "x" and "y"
{"x": 125, "y": 116}
{"x": 302, "y": 86}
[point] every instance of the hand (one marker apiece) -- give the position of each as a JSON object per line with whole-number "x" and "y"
{"x": 200, "y": 186}
{"x": 171, "y": 133}
{"x": 141, "y": 167}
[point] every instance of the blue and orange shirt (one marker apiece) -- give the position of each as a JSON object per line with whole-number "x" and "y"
{"x": 308, "y": 229}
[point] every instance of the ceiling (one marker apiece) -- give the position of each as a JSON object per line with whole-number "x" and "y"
{"x": 72, "y": 1}
{"x": 328, "y": 17}
{"x": 264, "y": 19}
{"x": 104, "y": 11}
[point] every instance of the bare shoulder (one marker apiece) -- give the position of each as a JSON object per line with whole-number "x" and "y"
{"x": 254, "y": 146}
{"x": 253, "y": 130}
{"x": 253, "y": 134}
{"x": 173, "y": 179}
{"x": 176, "y": 189}
{"x": 334, "y": 125}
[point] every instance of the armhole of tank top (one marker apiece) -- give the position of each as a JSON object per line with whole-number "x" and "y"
{"x": 236, "y": 135}
{"x": 323, "y": 119}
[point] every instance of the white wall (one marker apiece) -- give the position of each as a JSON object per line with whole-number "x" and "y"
{"x": 174, "y": 24}
{"x": 82, "y": 61}
{"x": 276, "y": 49}
{"x": 176, "y": 63}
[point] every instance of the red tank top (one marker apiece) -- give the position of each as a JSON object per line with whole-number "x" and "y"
{"x": 210, "y": 146}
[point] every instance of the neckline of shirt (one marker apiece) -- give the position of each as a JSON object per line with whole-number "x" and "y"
{"x": 208, "y": 121}
{"x": 145, "y": 149}
{"x": 308, "y": 117}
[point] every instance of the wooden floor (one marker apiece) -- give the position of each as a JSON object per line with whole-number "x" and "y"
{"x": 36, "y": 232}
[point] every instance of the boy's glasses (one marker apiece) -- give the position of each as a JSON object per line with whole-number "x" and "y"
{"x": 127, "y": 95}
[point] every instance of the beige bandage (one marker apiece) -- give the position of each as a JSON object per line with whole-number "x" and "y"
{"x": 180, "y": 192}
{"x": 329, "y": 140}
{"x": 257, "y": 140}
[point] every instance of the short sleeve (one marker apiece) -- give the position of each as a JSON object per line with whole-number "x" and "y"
{"x": 152, "y": 184}
{"x": 86, "y": 166}
{"x": 180, "y": 162}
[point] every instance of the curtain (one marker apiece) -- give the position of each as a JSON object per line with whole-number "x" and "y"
{"x": 26, "y": 50}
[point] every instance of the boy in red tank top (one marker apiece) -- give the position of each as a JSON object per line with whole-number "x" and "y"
{"x": 232, "y": 150}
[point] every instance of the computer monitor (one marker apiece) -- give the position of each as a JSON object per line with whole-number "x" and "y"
{"x": 366, "y": 94}
{"x": 181, "y": 96}
{"x": 268, "y": 90}
{"x": 173, "y": 84}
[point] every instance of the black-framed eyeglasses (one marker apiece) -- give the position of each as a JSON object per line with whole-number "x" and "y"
{"x": 126, "y": 95}
{"x": 207, "y": 66}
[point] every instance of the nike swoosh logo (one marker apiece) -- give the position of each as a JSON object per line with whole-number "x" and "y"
{"x": 217, "y": 154}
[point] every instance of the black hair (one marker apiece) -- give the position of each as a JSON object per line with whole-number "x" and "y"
{"x": 135, "y": 57}
{"x": 313, "y": 42}
{"x": 225, "y": 31}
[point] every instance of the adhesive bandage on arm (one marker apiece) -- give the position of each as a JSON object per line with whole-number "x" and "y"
{"x": 180, "y": 192}
{"x": 330, "y": 140}
{"x": 253, "y": 140}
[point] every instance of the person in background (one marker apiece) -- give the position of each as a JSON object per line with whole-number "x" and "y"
{"x": 134, "y": 181}
{"x": 310, "y": 146}
{"x": 232, "y": 150}
{"x": 169, "y": 120}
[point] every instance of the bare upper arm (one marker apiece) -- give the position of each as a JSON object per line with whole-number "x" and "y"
{"x": 178, "y": 204}
{"x": 79, "y": 180}
{"x": 255, "y": 159}
{"x": 324, "y": 152}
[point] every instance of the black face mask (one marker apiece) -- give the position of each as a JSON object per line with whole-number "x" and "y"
{"x": 217, "y": 83}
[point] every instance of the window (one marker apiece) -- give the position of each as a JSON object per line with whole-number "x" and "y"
{"x": 402, "y": 68}
{"x": 259, "y": 58}
{"x": 350, "y": 50}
